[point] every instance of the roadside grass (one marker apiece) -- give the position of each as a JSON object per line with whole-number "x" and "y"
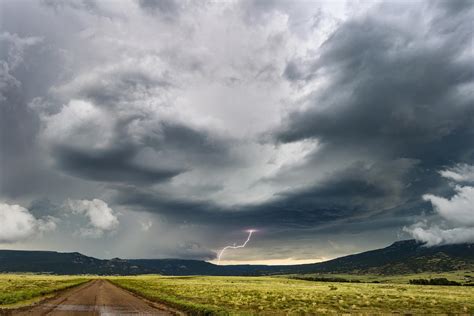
{"x": 282, "y": 296}
{"x": 23, "y": 289}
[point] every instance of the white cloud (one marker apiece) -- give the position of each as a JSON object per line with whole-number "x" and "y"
{"x": 146, "y": 225}
{"x": 79, "y": 123}
{"x": 17, "y": 223}
{"x": 434, "y": 235}
{"x": 459, "y": 209}
{"x": 456, "y": 214}
{"x": 101, "y": 217}
{"x": 460, "y": 173}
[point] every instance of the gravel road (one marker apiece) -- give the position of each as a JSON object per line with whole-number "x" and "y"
{"x": 97, "y": 297}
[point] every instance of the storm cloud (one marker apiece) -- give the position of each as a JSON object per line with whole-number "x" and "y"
{"x": 319, "y": 124}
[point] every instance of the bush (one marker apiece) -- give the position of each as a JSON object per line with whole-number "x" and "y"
{"x": 327, "y": 279}
{"x": 436, "y": 281}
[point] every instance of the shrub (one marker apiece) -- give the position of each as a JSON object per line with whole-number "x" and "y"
{"x": 327, "y": 279}
{"x": 436, "y": 281}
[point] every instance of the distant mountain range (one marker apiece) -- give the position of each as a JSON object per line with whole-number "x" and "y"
{"x": 401, "y": 257}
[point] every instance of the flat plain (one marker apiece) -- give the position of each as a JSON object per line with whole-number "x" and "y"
{"x": 277, "y": 295}
{"x": 280, "y": 295}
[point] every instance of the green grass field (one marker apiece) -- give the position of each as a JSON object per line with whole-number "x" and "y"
{"x": 20, "y": 289}
{"x": 279, "y": 295}
{"x": 267, "y": 295}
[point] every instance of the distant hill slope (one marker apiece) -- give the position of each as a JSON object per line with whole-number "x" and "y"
{"x": 401, "y": 257}
{"x": 60, "y": 263}
{"x": 406, "y": 256}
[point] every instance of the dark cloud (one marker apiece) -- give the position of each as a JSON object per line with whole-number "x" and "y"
{"x": 113, "y": 87}
{"x": 392, "y": 93}
{"x": 92, "y": 7}
{"x": 168, "y": 8}
{"x": 88, "y": 5}
{"x": 175, "y": 146}
{"x": 112, "y": 165}
{"x": 187, "y": 250}
{"x": 395, "y": 99}
{"x": 455, "y": 6}
{"x": 404, "y": 106}
{"x": 293, "y": 72}
{"x": 166, "y": 118}
{"x": 17, "y": 124}
{"x": 198, "y": 146}
{"x": 360, "y": 190}
{"x": 43, "y": 207}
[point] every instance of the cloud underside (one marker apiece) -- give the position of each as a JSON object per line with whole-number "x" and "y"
{"x": 239, "y": 115}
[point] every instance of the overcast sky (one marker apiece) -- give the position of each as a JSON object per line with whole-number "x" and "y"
{"x": 164, "y": 128}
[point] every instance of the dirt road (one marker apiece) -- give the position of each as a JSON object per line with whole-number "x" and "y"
{"x": 98, "y": 297}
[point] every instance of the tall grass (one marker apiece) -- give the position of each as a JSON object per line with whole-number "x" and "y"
{"x": 274, "y": 296}
{"x": 17, "y": 288}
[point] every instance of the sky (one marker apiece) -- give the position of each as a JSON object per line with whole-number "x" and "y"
{"x": 168, "y": 129}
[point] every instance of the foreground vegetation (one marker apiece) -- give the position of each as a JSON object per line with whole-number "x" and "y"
{"x": 280, "y": 295}
{"x": 24, "y": 288}
{"x": 314, "y": 294}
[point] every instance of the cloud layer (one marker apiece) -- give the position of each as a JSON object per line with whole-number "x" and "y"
{"x": 318, "y": 123}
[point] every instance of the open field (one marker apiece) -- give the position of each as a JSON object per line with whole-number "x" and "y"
{"x": 266, "y": 295}
{"x": 16, "y": 289}
{"x": 278, "y": 295}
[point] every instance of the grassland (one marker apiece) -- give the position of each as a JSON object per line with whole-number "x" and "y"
{"x": 21, "y": 289}
{"x": 268, "y": 295}
{"x": 280, "y": 295}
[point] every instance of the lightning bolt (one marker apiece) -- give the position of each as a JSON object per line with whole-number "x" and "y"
{"x": 250, "y": 231}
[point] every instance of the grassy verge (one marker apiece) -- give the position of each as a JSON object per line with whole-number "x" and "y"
{"x": 278, "y": 296}
{"x": 22, "y": 289}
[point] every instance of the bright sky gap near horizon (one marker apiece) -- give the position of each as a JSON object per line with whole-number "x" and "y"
{"x": 166, "y": 128}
